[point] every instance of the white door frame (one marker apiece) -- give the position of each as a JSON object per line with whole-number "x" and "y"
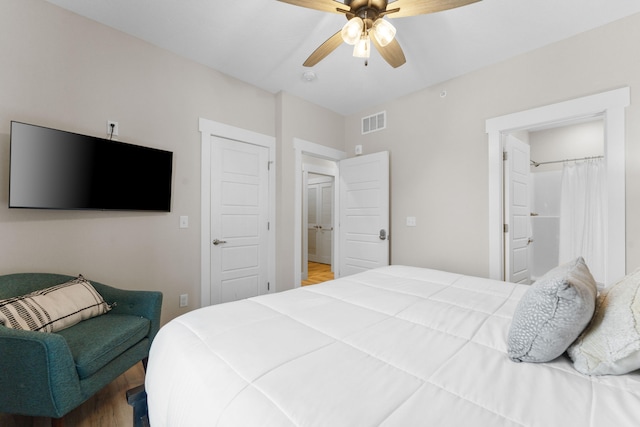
{"x": 209, "y": 129}
{"x": 301, "y": 147}
{"x": 611, "y": 107}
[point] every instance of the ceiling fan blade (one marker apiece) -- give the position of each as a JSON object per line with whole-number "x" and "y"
{"x": 420, "y": 7}
{"x": 323, "y": 5}
{"x": 325, "y": 49}
{"x": 392, "y": 53}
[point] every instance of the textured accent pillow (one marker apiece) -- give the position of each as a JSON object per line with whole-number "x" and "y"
{"x": 552, "y": 313}
{"x": 611, "y": 343}
{"x": 54, "y": 308}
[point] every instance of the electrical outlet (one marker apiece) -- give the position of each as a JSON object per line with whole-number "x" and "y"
{"x": 411, "y": 221}
{"x": 115, "y": 128}
{"x": 184, "y": 300}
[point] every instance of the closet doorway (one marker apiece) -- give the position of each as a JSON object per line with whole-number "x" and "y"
{"x": 238, "y": 211}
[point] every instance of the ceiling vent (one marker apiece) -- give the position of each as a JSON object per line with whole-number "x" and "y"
{"x": 374, "y": 123}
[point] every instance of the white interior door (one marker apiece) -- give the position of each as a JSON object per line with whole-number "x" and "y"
{"x": 312, "y": 222}
{"x": 239, "y": 219}
{"x": 364, "y": 213}
{"x": 320, "y": 219}
{"x": 517, "y": 212}
{"x": 325, "y": 225}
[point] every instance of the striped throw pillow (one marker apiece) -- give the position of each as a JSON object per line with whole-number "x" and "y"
{"x": 54, "y": 308}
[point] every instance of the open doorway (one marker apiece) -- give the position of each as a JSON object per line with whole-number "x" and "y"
{"x": 608, "y": 105}
{"x": 311, "y": 158}
{"x": 561, "y": 185}
{"x": 318, "y": 220}
{"x": 362, "y": 192}
{"x": 562, "y": 160}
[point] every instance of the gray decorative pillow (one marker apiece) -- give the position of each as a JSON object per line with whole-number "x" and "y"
{"x": 552, "y": 313}
{"x": 611, "y": 343}
{"x": 54, "y": 308}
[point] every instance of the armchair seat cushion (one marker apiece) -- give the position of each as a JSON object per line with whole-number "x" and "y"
{"x": 114, "y": 334}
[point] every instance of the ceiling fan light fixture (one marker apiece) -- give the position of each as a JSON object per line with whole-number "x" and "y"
{"x": 352, "y": 30}
{"x": 362, "y": 48}
{"x": 383, "y": 31}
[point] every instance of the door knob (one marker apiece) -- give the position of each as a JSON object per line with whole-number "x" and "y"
{"x": 529, "y": 241}
{"x": 217, "y": 242}
{"x": 383, "y": 234}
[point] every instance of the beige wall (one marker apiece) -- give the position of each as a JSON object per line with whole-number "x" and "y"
{"x": 67, "y": 72}
{"x": 566, "y": 142}
{"x": 439, "y": 147}
{"x": 302, "y": 120}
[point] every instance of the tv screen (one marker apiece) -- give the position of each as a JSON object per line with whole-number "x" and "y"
{"x": 54, "y": 169}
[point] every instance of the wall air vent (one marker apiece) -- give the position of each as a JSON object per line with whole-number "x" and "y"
{"x": 374, "y": 122}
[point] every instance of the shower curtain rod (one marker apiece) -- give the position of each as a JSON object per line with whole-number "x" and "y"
{"x": 536, "y": 164}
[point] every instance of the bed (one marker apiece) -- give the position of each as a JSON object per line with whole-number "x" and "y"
{"x": 394, "y": 346}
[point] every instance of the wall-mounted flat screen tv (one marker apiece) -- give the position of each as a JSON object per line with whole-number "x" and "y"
{"x": 54, "y": 169}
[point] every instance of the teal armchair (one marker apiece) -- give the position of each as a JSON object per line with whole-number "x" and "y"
{"x": 50, "y": 374}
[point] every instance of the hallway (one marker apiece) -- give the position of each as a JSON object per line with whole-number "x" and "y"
{"x": 318, "y": 273}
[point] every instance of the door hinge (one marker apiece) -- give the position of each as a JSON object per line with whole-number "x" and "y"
{"x": 269, "y": 164}
{"x": 268, "y": 286}
{"x": 506, "y": 228}
{"x": 505, "y": 156}
{"x": 268, "y": 226}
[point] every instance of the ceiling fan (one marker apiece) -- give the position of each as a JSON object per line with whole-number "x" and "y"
{"x": 366, "y": 25}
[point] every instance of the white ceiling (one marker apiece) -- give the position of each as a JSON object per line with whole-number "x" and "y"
{"x": 265, "y": 42}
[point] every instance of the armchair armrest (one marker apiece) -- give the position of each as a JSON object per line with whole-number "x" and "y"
{"x": 147, "y": 304}
{"x": 38, "y": 375}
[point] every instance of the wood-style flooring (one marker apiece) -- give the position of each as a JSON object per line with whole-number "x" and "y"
{"x": 318, "y": 273}
{"x": 107, "y": 408}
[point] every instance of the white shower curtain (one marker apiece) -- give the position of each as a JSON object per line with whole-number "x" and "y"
{"x": 582, "y": 214}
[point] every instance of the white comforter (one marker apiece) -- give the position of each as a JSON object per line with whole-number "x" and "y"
{"x": 396, "y": 346}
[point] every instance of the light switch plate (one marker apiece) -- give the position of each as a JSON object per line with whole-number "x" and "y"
{"x": 184, "y": 221}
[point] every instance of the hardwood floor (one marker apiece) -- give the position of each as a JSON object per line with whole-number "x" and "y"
{"x": 318, "y": 273}
{"x": 107, "y": 408}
